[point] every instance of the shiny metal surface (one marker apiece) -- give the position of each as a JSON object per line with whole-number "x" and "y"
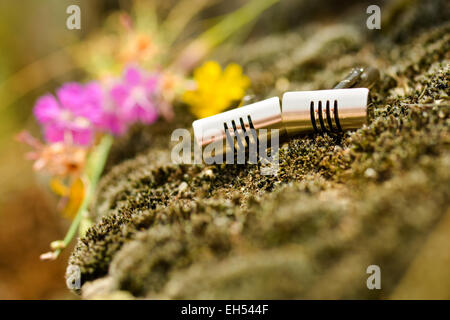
{"x": 360, "y": 78}
{"x": 265, "y": 114}
{"x": 332, "y": 110}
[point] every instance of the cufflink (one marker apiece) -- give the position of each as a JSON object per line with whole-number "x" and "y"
{"x": 300, "y": 112}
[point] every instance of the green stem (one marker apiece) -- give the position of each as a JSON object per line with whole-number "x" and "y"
{"x": 235, "y": 21}
{"x": 217, "y": 34}
{"x": 95, "y": 165}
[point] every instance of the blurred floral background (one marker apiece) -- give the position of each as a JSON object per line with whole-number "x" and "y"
{"x": 39, "y": 54}
{"x": 33, "y": 38}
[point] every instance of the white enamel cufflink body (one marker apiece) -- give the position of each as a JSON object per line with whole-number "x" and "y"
{"x": 300, "y": 112}
{"x": 333, "y": 110}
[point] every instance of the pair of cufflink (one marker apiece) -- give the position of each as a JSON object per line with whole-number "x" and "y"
{"x": 300, "y": 112}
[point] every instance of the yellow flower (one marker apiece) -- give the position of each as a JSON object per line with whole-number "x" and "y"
{"x": 72, "y": 196}
{"x": 215, "y": 90}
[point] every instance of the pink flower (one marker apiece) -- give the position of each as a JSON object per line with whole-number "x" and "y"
{"x": 134, "y": 96}
{"x": 60, "y": 159}
{"x": 78, "y": 111}
{"x": 112, "y": 119}
{"x": 73, "y": 116}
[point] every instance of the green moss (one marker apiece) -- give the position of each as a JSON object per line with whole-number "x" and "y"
{"x": 337, "y": 205}
{"x": 296, "y": 246}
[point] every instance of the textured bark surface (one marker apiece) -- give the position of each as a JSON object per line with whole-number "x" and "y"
{"x": 338, "y": 204}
